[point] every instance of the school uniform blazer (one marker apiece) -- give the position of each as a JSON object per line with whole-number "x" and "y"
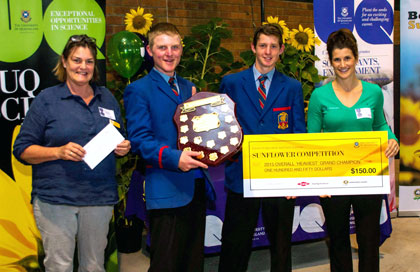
{"x": 283, "y": 113}
{"x": 149, "y": 106}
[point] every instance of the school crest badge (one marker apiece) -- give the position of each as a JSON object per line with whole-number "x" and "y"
{"x": 283, "y": 120}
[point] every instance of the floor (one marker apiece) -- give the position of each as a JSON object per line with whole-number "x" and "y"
{"x": 399, "y": 253}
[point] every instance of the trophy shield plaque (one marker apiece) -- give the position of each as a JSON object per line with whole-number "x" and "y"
{"x": 207, "y": 123}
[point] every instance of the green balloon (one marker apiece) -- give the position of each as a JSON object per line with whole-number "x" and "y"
{"x": 125, "y": 53}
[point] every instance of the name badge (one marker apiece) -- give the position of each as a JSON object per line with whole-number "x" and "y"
{"x": 106, "y": 113}
{"x": 363, "y": 113}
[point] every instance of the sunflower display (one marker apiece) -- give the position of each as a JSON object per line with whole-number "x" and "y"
{"x": 138, "y": 21}
{"x": 20, "y": 243}
{"x": 303, "y": 39}
{"x": 282, "y": 23}
{"x": 410, "y": 128}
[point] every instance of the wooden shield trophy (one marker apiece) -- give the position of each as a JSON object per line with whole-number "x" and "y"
{"x": 207, "y": 123}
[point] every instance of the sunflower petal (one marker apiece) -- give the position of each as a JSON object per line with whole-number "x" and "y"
{"x": 17, "y": 224}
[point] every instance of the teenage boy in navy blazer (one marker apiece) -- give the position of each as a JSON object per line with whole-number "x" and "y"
{"x": 175, "y": 182}
{"x": 267, "y": 102}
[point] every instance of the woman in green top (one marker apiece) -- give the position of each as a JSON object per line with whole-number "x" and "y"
{"x": 349, "y": 104}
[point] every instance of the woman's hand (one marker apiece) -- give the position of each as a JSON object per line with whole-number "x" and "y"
{"x": 123, "y": 148}
{"x": 392, "y": 148}
{"x": 71, "y": 152}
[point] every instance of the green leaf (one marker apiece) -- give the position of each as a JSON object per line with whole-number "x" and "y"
{"x": 237, "y": 65}
{"x": 307, "y": 76}
{"x": 313, "y": 57}
{"x": 201, "y": 84}
{"x": 293, "y": 66}
{"x": 314, "y": 74}
{"x": 30, "y": 263}
{"x": 290, "y": 50}
{"x": 248, "y": 57}
{"x": 307, "y": 90}
{"x": 223, "y": 56}
{"x": 316, "y": 78}
{"x": 203, "y": 48}
{"x": 112, "y": 263}
{"x": 312, "y": 69}
{"x": 111, "y": 84}
{"x": 199, "y": 30}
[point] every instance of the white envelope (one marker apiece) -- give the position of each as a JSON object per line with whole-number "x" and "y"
{"x": 101, "y": 145}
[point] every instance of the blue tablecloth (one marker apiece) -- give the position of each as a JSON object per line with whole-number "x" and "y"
{"x": 308, "y": 220}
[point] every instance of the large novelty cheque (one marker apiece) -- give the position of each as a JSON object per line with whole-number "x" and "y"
{"x": 342, "y": 163}
{"x": 207, "y": 123}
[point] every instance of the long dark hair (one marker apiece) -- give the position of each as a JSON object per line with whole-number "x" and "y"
{"x": 342, "y": 38}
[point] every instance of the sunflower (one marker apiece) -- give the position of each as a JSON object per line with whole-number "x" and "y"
{"x": 282, "y": 23}
{"x": 410, "y": 127}
{"x": 303, "y": 39}
{"x": 20, "y": 241}
{"x": 137, "y": 21}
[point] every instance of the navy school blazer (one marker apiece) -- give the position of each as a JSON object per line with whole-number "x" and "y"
{"x": 283, "y": 113}
{"x": 149, "y": 106}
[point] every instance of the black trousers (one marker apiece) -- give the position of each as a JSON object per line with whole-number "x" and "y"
{"x": 367, "y": 211}
{"x": 177, "y": 235}
{"x": 241, "y": 217}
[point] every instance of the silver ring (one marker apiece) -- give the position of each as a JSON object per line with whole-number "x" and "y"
{"x": 71, "y": 153}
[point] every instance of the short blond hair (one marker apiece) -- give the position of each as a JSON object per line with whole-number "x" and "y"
{"x": 162, "y": 28}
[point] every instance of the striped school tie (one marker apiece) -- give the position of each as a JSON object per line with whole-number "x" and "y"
{"x": 262, "y": 91}
{"x": 173, "y": 86}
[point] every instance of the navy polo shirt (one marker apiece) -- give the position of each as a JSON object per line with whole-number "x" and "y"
{"x": 55, "y": 118}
